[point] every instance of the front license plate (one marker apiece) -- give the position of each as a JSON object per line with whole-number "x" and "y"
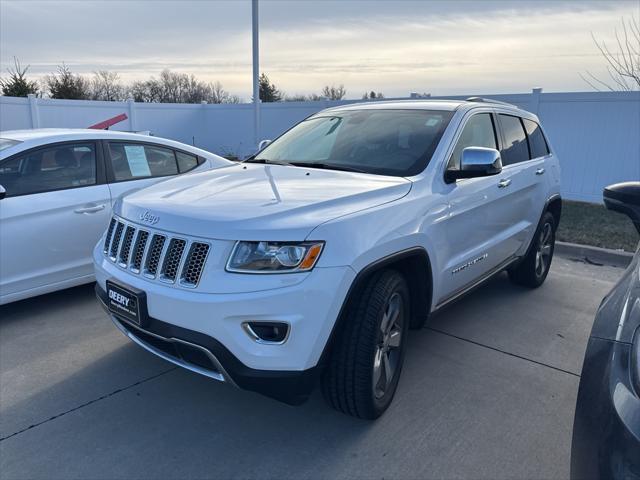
{"x": 127, "y": 302}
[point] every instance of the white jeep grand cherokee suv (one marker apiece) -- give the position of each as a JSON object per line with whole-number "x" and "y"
{"x": 312, "y": 259}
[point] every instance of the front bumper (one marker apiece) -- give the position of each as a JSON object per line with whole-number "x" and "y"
{"x": 606, "y": 429}
{"x": 202, "y": 354}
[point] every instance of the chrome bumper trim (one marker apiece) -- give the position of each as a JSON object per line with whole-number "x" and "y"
{"x": 221, "y": 375}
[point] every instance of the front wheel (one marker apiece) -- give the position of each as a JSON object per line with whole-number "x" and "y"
{"x": 533, "y": 270}
{"x": 363, "y": 373}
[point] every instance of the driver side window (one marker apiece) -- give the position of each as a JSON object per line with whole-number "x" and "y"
{"x": 478, "y": 132}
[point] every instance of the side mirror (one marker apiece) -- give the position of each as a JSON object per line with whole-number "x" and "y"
{"x": 263, "y": 143}
{"x": 624, "y": 198}
{"x": 3, "y": 192}
{"x": 476, "y": 162}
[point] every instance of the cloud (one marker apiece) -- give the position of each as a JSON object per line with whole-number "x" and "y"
{"x": 394, "y": 47}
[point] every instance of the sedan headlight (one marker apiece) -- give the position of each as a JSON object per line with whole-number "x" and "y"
{"x": 274, "y": 257}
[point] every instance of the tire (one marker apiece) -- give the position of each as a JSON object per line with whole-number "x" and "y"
{"x": 533, "y": 270}
{"x": 367, "y": 346}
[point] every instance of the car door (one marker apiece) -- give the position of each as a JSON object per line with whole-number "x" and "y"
{"x": 525, "y": 169}
{"x": 55, "y": 209}
{"x": 477, "y": 232}
{"x": 135, "y": 165}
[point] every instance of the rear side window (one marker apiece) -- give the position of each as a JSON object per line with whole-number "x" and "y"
{"x": 131, "y": 161}
{"x": 186, "y": 162}
{"x": 49, "y": 169}
{"x": 515, "y": 147}
{"x": 478, "y": 132}
{"x": 537, "y": 142}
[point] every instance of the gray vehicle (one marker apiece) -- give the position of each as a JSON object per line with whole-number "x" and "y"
{"x": 606, "y": 428}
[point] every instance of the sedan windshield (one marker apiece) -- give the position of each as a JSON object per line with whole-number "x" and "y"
{"x": 385, "y": 142}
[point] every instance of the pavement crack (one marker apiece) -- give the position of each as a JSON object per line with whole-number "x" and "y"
{"x": 503, "y": 351}
{"x": 90, "y": 402}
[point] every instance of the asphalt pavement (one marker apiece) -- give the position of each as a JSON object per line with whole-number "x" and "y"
{"x": 488, "y": 391}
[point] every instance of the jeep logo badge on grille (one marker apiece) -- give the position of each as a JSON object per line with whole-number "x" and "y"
{"x": 149, "y": 218}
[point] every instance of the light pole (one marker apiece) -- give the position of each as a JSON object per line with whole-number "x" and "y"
{"x": 256, "y": 73}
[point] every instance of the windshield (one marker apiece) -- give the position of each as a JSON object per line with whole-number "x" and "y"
{"x": 7, "y": 142}
{"x": 385, "y": 142}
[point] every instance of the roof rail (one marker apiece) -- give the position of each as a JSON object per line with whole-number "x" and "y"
{"x": 489, "y": 100}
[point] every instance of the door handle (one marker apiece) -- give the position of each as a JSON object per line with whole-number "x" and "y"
{"x": 540, "y": 171}
{"x": 504, "y": 183}
{"x": 93, "y": 209}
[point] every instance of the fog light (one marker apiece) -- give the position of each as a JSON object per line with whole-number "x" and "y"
{"x": 267, "y": 332}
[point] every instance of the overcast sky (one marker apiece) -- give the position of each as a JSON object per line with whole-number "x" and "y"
{"x": 453, "y": 47}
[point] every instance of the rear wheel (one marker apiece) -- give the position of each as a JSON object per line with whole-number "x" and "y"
{"x": 533, "y": 270}
{"x": 363, "y": 373}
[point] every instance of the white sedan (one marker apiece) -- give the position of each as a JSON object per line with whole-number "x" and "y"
{"x": 57, "y": 188}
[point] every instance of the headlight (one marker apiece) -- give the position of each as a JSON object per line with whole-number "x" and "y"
{"x": 274, "y": 257}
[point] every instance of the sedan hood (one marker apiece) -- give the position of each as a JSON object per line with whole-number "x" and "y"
{"x": 258, "y": 202}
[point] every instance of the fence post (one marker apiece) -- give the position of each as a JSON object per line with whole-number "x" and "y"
{"x": 535, "y": 100}
{"x": 33, "y": 107}
{"x": 133, "y": 124}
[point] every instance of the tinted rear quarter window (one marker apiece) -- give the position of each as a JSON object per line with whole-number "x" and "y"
{"x": 515, "y": 147}
{"x": 186, "y": 162}
{"x": 537, "y": 142}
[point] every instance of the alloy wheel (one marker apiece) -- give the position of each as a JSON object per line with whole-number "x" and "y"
{"x": 545, "y": 245}
{"x": 387, "y": 354}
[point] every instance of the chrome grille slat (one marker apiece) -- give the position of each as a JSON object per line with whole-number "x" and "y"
{"x": 115, "y": 244}
{"x": 125, "y": 250}
{"x": 154, "y": 254}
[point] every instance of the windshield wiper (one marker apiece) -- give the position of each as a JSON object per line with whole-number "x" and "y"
{"x": 328, "y": 166}
{"x": 265, "y": 161}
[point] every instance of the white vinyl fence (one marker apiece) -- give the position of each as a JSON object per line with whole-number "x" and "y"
{"x": 596, "y": 134}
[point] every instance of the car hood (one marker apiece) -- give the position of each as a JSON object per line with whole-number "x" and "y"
{"x": 258, "y": 202}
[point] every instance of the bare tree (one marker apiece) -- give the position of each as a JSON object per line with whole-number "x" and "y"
{"x": 17, "y": 85}
{"x": 623, "y": 63}
{"x": 334, "y": 93}
{"x": 217, "y": 94}
{"x": 106, "y": 86}
{"x": 298, "y": 97}
{"x": 174, "y": 87}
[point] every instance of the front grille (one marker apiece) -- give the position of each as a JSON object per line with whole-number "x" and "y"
{"x": 107, "y": 238}
{"x": 155, "y": 251}
{"x": 115, "y": 243}
{"x": 172, "y": 259}
{"x": 126, "y": 246}
{"x": 195, "y": 262}
{"x": 138, "y": 250}
{"x": 155, "y": 255}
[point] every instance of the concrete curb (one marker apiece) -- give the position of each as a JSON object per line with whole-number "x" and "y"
{"x": 594, "y": 255}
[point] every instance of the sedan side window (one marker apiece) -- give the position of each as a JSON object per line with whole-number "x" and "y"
{"x": 130, "y": 161}
{"x": 478, "y": 132}
{"x": 186, "y": 162}
{"x": 49, "y": 169}
{"x": 516, "y": 149}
